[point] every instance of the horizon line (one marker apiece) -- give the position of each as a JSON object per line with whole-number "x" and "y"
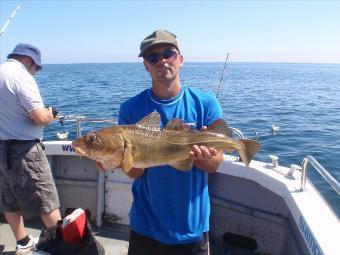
{"x": 236, "y": 62}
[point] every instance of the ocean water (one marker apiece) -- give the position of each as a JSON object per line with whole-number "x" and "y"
{"x": 302, "y": 99}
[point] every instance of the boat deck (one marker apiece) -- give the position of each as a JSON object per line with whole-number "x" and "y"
{"x": 254, "y": 210}
{"x": 113, "y": 237}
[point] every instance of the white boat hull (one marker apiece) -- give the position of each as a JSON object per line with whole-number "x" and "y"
{"x": 263, "y": 206}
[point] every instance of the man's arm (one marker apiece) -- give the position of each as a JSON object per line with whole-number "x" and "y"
{"x": 135, "y": 173}
{"x": 42, "y": 116}
{"x": 205, "y": 158}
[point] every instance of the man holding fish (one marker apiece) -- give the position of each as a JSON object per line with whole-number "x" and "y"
{"x": 170, "y": 212}
{"x": 168, "y": 160}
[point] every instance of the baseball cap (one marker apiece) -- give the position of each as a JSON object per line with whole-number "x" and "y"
{"x": 31, "y": 51}
{"x": 159, "y": 36}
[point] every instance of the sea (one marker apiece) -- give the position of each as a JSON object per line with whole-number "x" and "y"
{"x": 302, "y": 100}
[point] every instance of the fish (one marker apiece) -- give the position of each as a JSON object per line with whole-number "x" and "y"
{"x": 145, "y": 144}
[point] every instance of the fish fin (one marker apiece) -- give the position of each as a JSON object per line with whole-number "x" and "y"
{"x": 220, "y": 127}
{"x": 176, "y": 124}
{"x": 229, "y": 151}
{"x": 250, "y": 148}
{"x": 127, "y": 161}
{"x": 152, "y": 119}
{"x": 184, "y": 165}
{"x": 108, "y": 164}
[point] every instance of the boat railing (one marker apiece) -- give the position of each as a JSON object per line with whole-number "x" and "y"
{"x": 238, "y": 132}
{"x": 80, "y": 118}
{"x": 322, "y": 171}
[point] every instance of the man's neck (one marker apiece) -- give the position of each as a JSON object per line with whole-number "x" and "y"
{"x": 166, "y": 90}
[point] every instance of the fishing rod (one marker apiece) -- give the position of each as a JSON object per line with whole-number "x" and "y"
{"x": 219, "y": 87}
{"x": 9, "y": 20}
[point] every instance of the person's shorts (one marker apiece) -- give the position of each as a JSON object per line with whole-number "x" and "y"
{"x": 26, "y": 179}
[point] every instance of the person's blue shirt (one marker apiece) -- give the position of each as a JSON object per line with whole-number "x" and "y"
{"x": 169, "y": 205}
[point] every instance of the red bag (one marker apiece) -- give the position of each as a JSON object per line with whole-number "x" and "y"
{"x": 73, "y": 226}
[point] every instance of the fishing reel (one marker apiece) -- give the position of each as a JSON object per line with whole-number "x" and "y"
{"x": 55, "y": 114}
{"x": 54, "y": 111}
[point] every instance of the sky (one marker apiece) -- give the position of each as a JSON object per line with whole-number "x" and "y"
{"x": 111, "y": 31}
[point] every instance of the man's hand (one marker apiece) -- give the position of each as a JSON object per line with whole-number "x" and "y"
{"x": 135, "y": 173}
{"x": 207, "y": 159}
{"x": 201, "y": 153}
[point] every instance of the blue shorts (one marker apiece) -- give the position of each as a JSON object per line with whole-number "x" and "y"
{"x": 26, "y": 179}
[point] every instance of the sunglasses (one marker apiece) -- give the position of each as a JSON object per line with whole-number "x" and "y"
{"x": 168, "y": 55}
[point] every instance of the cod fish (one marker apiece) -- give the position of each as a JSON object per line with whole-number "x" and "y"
{"x": 145, "y": 144}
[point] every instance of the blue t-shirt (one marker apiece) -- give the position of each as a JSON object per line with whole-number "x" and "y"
{"x": 169, "y": 205}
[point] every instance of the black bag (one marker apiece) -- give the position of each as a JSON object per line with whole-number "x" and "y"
{"x": 51, "y": 241}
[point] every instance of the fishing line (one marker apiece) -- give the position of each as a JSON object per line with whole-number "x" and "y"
{"x": 219, "y": 86}
{"x": 9, "y": 20}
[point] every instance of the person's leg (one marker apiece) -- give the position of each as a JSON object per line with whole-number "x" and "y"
{"x": 24, "y": 243}
{"x": 51, "y": 219}
{"x": 142, "y": 245}
{"x": 24, "y": 190}
{"x": 34, "y": 187}
{"x": 12, "y": 211}
{"x": 47, "y": 191}
{"x": 16, "y": 222}
{"x": 201, "y": 247}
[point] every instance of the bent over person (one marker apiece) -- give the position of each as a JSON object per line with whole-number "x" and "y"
{"x": 170, "y": 209}
{"x": 28, "y": 189}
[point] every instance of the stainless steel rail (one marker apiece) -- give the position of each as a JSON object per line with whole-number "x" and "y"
{"x": 80, "y": 118}
{"x": 322, "y": 171}
{"x": 238, "y": 132}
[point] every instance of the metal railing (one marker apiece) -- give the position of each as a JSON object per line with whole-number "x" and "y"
{"x": 81, "y": 118}
{"x": 322, "y": 171}
{"x": 238, "y": 132}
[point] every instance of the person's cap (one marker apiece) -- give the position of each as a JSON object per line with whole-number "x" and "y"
{"x": 27, "y": 50}
{"x": 158, "y": 37}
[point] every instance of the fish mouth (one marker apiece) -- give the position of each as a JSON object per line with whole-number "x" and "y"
{"x": 79, "y": 150}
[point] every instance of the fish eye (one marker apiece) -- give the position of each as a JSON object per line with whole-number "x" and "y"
{"x": 94, "y": 139}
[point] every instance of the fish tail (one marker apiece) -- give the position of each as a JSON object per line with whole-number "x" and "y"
{"x": 248, "y": 149}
